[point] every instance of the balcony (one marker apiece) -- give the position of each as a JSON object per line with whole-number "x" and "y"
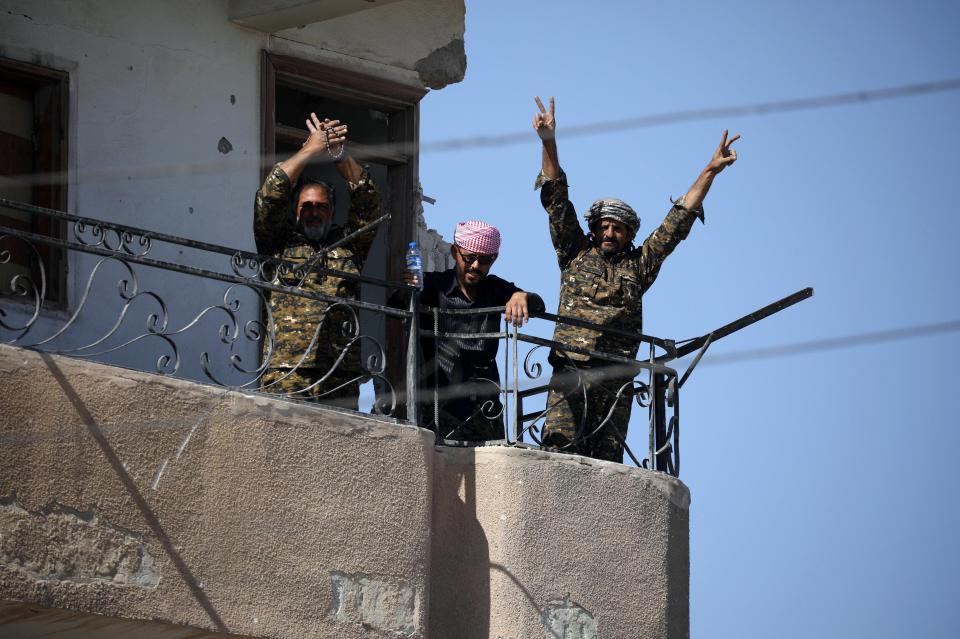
{"x": 148, "y": 472}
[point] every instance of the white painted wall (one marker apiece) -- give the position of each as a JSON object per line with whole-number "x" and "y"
{"x": 154, "y": 87}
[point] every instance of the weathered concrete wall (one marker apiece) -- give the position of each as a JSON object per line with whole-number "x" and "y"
{"x": 267, "y": 519}
{"x": 535, "y": 544}
{"x": 29, "y": 621}
{"x": 423, "y": 36}
{"x": 274, "y": 15}
{"x": 137, "y": 496}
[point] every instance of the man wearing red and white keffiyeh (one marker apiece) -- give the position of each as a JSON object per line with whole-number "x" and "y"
{"x": 463, "y": 370}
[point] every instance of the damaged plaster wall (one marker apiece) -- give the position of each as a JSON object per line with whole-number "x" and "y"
{"x": 288, "y": 520}
{"x": 270, "y": 518}
{"x": 60, "y": 544}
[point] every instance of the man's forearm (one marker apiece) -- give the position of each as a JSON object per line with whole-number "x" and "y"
{"x": 551, "y": 163}
{"x": 698, "y": 192}
{"x": 349, "y": 169}
{"x": 295, "y": 164}
{"x": 723, "y": 157}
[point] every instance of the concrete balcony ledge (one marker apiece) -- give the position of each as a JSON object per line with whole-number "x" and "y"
{"x": 139, "y": 497}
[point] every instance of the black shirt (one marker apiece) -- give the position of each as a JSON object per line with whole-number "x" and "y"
{"x": 460, "y": 362}
{"x": 441, "y": 290}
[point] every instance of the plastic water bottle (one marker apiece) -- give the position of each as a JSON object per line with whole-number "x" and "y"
{"x": 415, "y": 263}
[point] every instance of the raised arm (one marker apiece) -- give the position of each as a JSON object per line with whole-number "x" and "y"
{"x": 364, "y": 197}
{"x": 328, "y": 135}
{"x": 364, "y": 207}
{"x": 676, "y": 226}
{"x": 271, "y": 207}
{"x": 565, "y": 232}
{"x": 723, "y": 157}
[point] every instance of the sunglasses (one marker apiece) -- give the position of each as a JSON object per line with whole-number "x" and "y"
{"x": 483, "y": 260}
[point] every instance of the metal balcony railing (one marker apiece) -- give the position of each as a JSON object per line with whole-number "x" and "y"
{"x": 207, "y": 318}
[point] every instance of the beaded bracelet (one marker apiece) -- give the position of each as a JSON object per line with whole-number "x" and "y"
{"x": 338, "y": 154}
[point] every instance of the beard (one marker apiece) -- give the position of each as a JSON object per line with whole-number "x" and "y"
{"x": 468, "y": 284}
{"x": 610, "y": 249}
{"x": 316, "y": 231}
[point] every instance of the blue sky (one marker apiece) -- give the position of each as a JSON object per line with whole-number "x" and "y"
{"x": 823, "y": 485}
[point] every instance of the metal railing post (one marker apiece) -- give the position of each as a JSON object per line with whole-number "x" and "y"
{"x": 662, "y": 452}
{"x": 517, "y": 413}
{"x": 413, "y": 362}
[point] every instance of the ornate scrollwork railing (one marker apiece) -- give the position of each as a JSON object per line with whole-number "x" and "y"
{"x": 112, "y": 310}
{"x": 120, "y": 309}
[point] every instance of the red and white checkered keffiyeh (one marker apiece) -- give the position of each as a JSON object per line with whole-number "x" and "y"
{"x": 475, "y": 236}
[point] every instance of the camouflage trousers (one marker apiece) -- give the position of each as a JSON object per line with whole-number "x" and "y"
{"x": 337, "y": 390}
{"x": 581, "y": 399}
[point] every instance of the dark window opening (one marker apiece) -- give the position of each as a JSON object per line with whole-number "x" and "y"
{"x": 33, "y": 165}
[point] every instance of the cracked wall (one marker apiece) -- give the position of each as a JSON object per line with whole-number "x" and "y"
{"x": 286, "y": 520}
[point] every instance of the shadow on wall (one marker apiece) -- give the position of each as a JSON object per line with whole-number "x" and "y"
{"x": 131, "y": 487}
{"x": 460, "y": 558}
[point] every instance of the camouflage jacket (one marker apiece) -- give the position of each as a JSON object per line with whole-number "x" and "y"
{"x": 296, "y": 318}
{"x": 605, "y": 291}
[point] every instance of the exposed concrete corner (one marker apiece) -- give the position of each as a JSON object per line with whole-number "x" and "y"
{"x": 527, "y": 542}
{"x": 443, "y": 66}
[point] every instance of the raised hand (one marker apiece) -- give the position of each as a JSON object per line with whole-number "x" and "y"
{"x": 317, "y": 140}
{"x": 336, "y": 136}
{"x": 328, "y": 135}
{"x": 544, "y": 122}
{"x": 724, "y": 156}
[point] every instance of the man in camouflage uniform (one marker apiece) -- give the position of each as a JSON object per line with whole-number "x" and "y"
{"x": 603, "y": 278}
{"x": 297, "y": 236}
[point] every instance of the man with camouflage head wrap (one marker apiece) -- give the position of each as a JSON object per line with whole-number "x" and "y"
{"x": 603, "y": 279}
{"x": 311, "y": 336}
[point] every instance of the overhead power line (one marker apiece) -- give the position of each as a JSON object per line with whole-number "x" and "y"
{"x": 711, "y": 113}
{"x": 525, "y": 136}
{"x": 831, "y": 343}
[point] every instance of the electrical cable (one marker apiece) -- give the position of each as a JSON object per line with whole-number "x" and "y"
{"x": 831, "y": 343}
{"x": 522, "y": 137}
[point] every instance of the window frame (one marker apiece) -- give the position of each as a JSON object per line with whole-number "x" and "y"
{"x": 402, "y": 103}
{"x": 55, "y": 194}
